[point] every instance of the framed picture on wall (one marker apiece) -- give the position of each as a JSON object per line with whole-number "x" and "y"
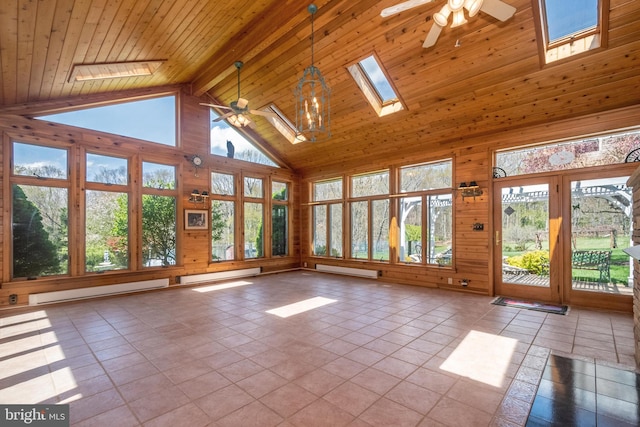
{"x": 196, "y": 219}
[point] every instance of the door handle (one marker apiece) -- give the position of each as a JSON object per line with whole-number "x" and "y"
{"x": 498, "y": 238}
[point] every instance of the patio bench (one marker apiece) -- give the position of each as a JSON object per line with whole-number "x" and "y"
{"x": 593, "y": 260}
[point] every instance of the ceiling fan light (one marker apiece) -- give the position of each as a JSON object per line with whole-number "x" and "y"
{"x": 458, "y": 19}
{"x": 440, "y": 18}
{"x": 456, "y": 5}
{"x": 473, "y": 7}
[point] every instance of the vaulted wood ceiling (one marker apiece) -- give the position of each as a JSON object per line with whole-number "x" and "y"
{"x": 493, "y": 81}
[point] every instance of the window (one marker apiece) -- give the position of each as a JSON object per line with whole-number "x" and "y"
{"x": 370, "y": 184}
{"x": 360, "y": 230}
{"x": 223, "y": 207}
{"x": 327, "y": 190}
{"x": 426, "y": 177}
{"x": 327, "y": 218}
{"x": 579, "y": 153}
{"x": 370, "y": 218}
{"x": 253, "y": 217}
{"x": 227, "y": 141}
{"x": 571, "y": 27}
{"x": 151, "y": 119}
{"x": 106, "y": 213}
{"x": 40, "y": 211}
{"x": 253, "y": 230}
{"x": 283, "y": 125}
{"x": 425, "y": 217}
{"x": 158, "y": 215}
{"x": 375, "y": 86}
{"x": 279, "y": 218}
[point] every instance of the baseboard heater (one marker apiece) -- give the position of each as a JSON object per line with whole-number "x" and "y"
{"x": 219, "y": 275}
{"x": 96, "y": 291}
{"x": 350, "y": 271}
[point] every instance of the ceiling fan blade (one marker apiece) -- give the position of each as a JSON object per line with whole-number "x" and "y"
{"x": 224, "y": 116}
{"x": 263, "y": 113}
{"x": 401, "y": 7}
{"x": 433, "y": 35}
{"x": 241, "y": 103}
{"x": 498, "y": 9}
{"x": 224, "y": 107}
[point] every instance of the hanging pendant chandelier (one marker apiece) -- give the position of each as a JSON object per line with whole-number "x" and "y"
{"x": 313, "y": 122}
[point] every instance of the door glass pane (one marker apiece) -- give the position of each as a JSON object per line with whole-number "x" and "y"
{"x": 601, "y": 224}
{"x": 525, "y": 235}
{"x": 279, "y": 232}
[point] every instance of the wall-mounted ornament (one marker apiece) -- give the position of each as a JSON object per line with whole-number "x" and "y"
{"x": 196, "y": 161}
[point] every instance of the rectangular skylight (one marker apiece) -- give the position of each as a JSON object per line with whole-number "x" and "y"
{"x": 570, "y": 27}
{"x": 569, "y": 17}
{"x": 378, "y": 79}
{"x": 375, "y": 86}
{"x": 283, "y": 125}
{"x": 83, "y": 72}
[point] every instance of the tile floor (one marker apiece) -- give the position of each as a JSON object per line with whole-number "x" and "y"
{"x": 581, "y": 393}
{"x": 364, "y": 353}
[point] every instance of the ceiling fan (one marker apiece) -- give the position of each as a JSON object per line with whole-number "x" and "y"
{"x": 496, "y": 8}
{"x": 239, "y": 108}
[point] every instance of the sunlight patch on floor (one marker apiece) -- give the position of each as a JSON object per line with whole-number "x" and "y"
{"x": 301, "y": 306}
{"x": 482, "y": 357}
{"x": 228, "y": 285}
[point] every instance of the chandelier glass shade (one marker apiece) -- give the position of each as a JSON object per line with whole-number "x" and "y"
{"x": 313, "y": 122}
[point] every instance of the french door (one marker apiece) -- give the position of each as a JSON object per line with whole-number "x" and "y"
{"x": 561, "y": 238}
{"x": 527, "y": 239}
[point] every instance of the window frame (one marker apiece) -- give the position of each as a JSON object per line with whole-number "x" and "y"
{"x": 111, "y": 188}
{"x": 35, "y": 181}
{"x": 363, "y": 80}
{"x": 565, "y": 49}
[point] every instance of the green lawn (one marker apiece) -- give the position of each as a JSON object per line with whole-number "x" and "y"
{"x": 619, "y": 269}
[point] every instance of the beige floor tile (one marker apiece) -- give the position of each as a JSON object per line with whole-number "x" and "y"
{"x": 381, "y": 355}
{"x": 351, "y": 398}
{"x": 385, "y": 412}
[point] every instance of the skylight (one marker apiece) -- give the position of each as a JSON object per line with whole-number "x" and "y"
{"x": 150, "y": 119}
{"x": 569, "y": 17}
{"x": 283, "y": 125}
{"x": 571, "y": 27}
{"x": 375, "y": 86}
{"x": 112, "y": 70}
{"x": 225, "y": 140}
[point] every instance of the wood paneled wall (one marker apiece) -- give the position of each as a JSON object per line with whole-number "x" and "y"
{"x": 473, "y": 161}
{"x": 193, "y": 245}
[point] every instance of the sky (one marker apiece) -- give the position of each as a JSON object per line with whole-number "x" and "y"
{"x": 566, "y": 17}
{"x": 150, "y": 120}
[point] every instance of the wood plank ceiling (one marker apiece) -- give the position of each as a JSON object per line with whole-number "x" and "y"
{"x": 493, "y": 81}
